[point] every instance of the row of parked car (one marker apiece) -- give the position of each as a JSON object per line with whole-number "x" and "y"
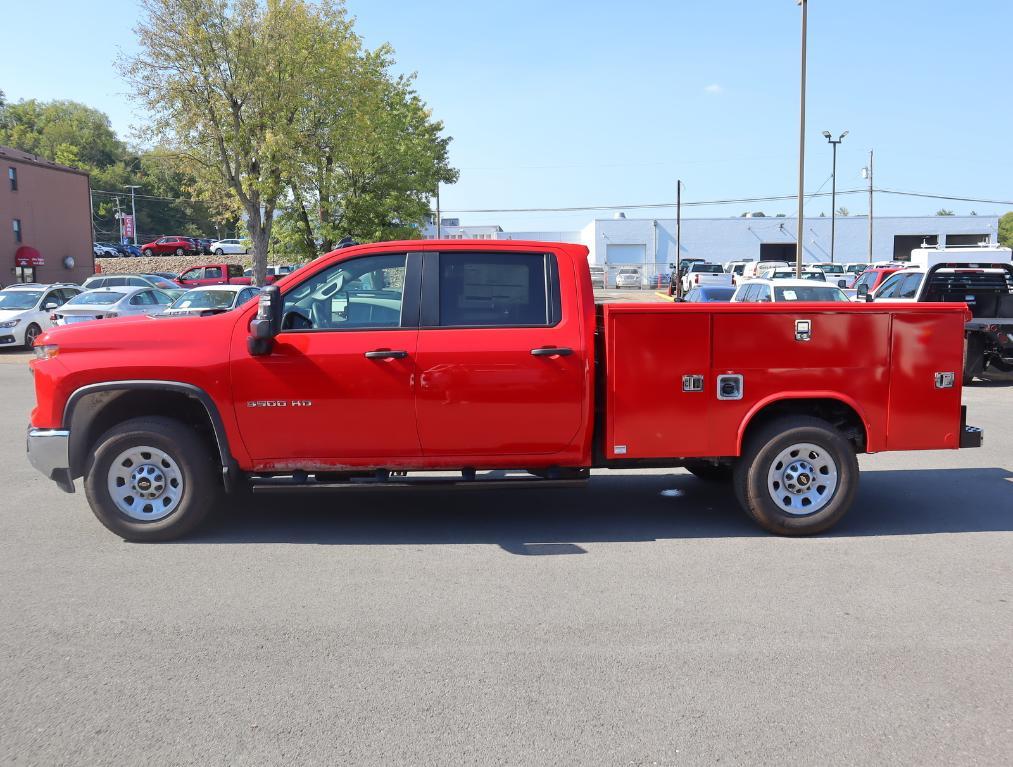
{"x": 28, "y": 309}
{"x": 172, "y": 245}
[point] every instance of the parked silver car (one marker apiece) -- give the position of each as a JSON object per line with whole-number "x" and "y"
{"x": 106, "y": 303}
{"x": 212, "y": 299}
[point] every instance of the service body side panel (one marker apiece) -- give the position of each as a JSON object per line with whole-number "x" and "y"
{"x": 649, "y": 414}
{"x": 878, "y": 359}
{"x": 847, "y": 359}
{"x": 923, "y": 416}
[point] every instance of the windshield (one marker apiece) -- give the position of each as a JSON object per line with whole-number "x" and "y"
{"x": 19, "y": 299}
{"x": 809, "y": 293}
{"x": 833, "y": 268}
{"x": 205, "y": 299}
{"x": 857, "y": 268}
{"x": 738, "y": 269}
{"x": 96, "y": 298}
{"x": 627, "y": 271}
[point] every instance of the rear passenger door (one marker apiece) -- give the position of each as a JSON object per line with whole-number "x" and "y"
{"x": 501, "y": 364}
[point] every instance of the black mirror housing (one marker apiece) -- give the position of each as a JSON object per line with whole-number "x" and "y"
{"x": 267, "y": 324}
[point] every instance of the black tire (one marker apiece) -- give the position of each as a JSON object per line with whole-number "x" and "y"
{"x": 146, "y": 253}
{"x": 705, "y": 470}
{"x": 751, "y": 475}
{"x": 219, "y": 252}
{"x": 32, "y": 332}
{"x": 200, "y": 478}
{"x": 974, "y": 357}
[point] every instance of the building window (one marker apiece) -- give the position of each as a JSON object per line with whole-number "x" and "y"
{"x": 12, "y": 174}
{"x": 16, "y": 223}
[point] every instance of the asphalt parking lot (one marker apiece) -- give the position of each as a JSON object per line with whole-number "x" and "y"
{"x": 642, "y": 620}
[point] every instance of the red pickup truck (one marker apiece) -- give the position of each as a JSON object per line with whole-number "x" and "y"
{"x": 213, "y": 274}
{"x": 379, "y": 361}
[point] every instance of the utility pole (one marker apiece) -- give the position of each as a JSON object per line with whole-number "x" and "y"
{"x": 799, "y": 246}
{"x": 439, "y": 221}
{"x": 133, "y": 209}
{"x": 678, "y": 239}
{"x": 867, "y": 173}
{"x": 833, "y": 188}
{"x": 119, "y": 220}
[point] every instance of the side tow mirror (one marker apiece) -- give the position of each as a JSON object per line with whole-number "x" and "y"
{"x": 842, "y": 283}
{"x": 862, "y": 291}
{"x": 267, "y": 324}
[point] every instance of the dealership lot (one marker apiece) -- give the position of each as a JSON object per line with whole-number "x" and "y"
{"x": 643, "y": 620}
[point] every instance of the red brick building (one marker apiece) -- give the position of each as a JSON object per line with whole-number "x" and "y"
{"x": 45, "y": 220}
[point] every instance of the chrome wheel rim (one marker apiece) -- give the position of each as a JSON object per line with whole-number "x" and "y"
{"x": 802, "y": 479}
{"x": 145, "y": 483}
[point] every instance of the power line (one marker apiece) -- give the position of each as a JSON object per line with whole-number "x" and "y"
{"x": 943, "y": 197}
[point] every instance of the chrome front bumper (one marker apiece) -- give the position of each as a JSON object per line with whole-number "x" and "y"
{"x": 49, "y": 452}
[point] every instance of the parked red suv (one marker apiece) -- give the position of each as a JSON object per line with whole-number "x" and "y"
{"x": 164, "y": 246}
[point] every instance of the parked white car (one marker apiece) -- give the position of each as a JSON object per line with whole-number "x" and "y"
{"x": 25, "y": 311}
{"x": 104, "y": 251}
{"x": 628, "y": 277}
{"x": 106, "y": 303}
{"x": 212, "y": 299}
{"x": 701, "y": 273}
{"x": 230, "y": 247}
{"x": 273, "y": 270}
{"x": 777, "y": 291}
{"x": 736, "y": 269}
{"x": 760, "y": 268}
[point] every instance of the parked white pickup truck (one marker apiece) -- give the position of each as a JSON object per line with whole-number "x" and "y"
{"x": 700, "y": 273}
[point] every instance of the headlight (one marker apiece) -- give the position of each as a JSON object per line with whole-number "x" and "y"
{"x": 46, "y": 351}
{"x": 9, "y": 323}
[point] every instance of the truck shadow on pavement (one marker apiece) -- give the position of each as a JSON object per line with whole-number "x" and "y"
{"x": 615, "y": 508}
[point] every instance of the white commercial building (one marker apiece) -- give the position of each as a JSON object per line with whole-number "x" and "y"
{"x": 650, "y": 242}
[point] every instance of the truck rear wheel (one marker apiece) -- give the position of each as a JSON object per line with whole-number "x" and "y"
{"x": 151, "y": 479}
{"x": 797, "y": 476}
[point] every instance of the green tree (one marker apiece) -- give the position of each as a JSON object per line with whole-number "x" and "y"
{"x": 371, "y": 154}
{"x": 944, "y": 212}
{"x": 1006, "y": 230}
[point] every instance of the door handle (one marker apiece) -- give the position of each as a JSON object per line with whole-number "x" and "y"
{"x": 552, "y": 351}
{"x": 386, "y": 354}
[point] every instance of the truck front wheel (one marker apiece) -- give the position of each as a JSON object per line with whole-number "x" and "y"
{"x": 151, "y": 479}
{"x": 797, "y": 476}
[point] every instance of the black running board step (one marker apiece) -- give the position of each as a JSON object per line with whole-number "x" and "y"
{"x": 288, "y": 485}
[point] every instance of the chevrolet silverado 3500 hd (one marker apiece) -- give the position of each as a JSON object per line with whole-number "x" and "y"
{"x": 378, "y": 361}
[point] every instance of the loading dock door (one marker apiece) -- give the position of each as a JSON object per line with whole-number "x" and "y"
{"x": 777, "y": 251}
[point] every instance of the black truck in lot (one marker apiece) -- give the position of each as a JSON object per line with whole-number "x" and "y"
{"x": 981, "y": 277}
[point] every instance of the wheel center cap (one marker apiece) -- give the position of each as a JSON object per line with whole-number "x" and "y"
{"x": 803, "y": 479}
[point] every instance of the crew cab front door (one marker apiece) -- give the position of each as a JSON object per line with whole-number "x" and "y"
{"x": 337, "y": 387}
{"x": 501, "y": 361}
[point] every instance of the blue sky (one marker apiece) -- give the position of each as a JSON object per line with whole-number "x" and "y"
{"x": 555, "y": 104}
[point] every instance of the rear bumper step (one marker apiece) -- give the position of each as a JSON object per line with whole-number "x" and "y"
{"x": 970, "y": 436}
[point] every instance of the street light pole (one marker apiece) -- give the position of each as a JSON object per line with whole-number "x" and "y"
{"x": 133, "y": 209}
{"x": 801, "y": 146}
{"x": 678, "y": 239}
{"x": 833, "y": 188}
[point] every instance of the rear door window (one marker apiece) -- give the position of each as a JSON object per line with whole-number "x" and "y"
{"x": 212, "y": 273}
{"x": 909, "y": 286}
{"x": 498, "y": 290}
{"x": 235, "y": 270}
